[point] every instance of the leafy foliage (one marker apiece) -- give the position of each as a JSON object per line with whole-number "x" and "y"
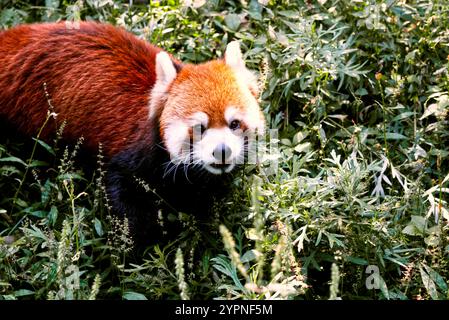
{"x": 358, "y": 91}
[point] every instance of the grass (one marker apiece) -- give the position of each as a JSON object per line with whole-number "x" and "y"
{"x": 356, "y": 208}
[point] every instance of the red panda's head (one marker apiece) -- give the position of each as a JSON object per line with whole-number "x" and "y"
{"x": 207, "y": 111}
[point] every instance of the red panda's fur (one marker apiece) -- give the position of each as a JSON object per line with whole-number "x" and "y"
{"x": 104, "y": 101}
{"x": 99, "y": 79}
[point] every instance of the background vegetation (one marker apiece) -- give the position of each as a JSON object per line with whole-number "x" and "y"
{"x": 359, "y": 92}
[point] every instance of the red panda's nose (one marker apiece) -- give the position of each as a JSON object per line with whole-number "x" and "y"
{"x": 222, "y": 153}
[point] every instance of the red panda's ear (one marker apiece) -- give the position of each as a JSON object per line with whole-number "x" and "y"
{"x": 166, "y": 72}
{"x": 234, "y": 59}
{"x": 233, "y": 56}
{"x": 165, "y": 69}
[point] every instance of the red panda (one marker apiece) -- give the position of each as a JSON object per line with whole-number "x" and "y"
{"x": 179, "y": 127}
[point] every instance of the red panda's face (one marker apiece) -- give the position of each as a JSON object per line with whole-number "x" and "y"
{"x": 209, "y": 111}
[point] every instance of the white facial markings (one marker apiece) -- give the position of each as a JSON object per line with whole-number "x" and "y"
{"x": 213, "y": 138}
{"x": 176, "y": 134}
{"x": 177, "y": 137}
{"x": 232, "y": 113}
{"x": 251, "y": 117}
{"x": 199, "y": 118}
{"x": 254, "y": 119}
{"x": 199, "y": 148}
{"x": 201, "y": 152}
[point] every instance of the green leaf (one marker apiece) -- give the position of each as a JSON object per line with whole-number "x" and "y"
{"x": 395, "y": 136}
{"x": 250, "y": 255}
{"x": 9, "y": 170}
{"x": 432, "y": 240}
{"x": 361, "y": 92}
{"x": 38, "y": 163}
{"x": 98, "y": 227}
{"x": 23, "y": 292}
{"x": 45, "y": 146}
{"x": 439, "y": 280}
{"x": 37, "y": 233}
{"x": 356, "y": 260}
{"x": 12, "y": 16}
{"x": 70, "y": 176}
{"x": 39, "y": 213}
{"x": 52, "y": 4}
{"x": 333, "y": 239}
{"x": 130, "y": 295}
{"x": 223, "y": 265}
{"x": 252, "y": 234}
{"x": 299, "y": 136}
{"x": 21, "y": 203}
{"x": 411, "y": 230}
{"x": 403, "y": 115}
{"x": 53, "y": 215}
{"x": 255, "y": 10}
{"x": 383, "y": 288}
{"x": 233, "y": 21}
{"x": 416, "y": 227}
{"x": 303, "y": 147}
{"x": 429, "y": 284}
{"x": 45, "y": 192}
{"x": 420, "y": 223}
{"x": 13, "y": 159}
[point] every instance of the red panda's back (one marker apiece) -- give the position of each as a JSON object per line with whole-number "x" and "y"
{"x": 98, "y": 78}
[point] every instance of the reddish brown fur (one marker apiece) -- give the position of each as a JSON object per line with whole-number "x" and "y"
{"x": 99, "y": 79}
{"x": 210, "y": 87}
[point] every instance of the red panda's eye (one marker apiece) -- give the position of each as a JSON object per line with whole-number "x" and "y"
{"x": 234, "y": 125}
